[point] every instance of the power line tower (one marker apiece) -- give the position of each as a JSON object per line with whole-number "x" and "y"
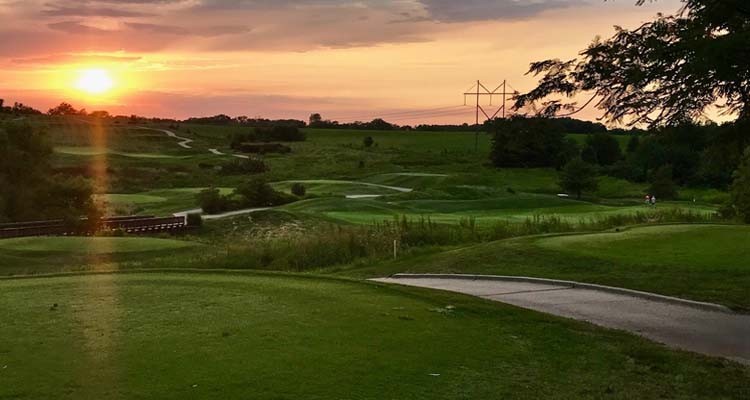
{"x": 482, "y": 91}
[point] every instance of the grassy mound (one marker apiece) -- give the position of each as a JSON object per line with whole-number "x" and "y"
{"x": 699, "y": 262}
{"x": 174, "y": 336}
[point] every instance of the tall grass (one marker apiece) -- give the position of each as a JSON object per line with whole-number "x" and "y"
{"x": 330, "y": 245}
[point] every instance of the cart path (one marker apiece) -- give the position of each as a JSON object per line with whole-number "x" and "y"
{"x": 682, "y": 326}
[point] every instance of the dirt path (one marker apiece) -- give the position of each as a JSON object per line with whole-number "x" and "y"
{"x": 684, "y": 326}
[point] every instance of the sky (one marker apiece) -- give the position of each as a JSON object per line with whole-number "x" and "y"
{"x": 408, "y": 61}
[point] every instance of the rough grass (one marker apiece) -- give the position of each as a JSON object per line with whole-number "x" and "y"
{"x": 176, "y": 336}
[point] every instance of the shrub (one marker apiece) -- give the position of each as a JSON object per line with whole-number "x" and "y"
{"x": 194, "y": 220}
{"x": 662, "y": 185}
{"x": 244, "y": 166}
{"x": 368, "y": 141}
{"x": 299, "y": 189}
{"x": 256, "y": 192}
{"x": 212, "y": 202}
{"x": 264, "y": 148}
{"x": 578, "y": 176}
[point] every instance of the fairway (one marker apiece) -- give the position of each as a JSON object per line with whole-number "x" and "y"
{"x": 218, "y": 336}
{"x": 93, "y": 151}
{"x": 90, "y": 245}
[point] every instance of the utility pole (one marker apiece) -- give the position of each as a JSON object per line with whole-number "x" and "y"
{"x": 483, "y": 91}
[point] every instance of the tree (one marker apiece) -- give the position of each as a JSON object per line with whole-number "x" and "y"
{"x": 633, "y": 144}
{"x": 63, "y": 109}
{"x": 211, "y": 201}
{"x": 606, "y": 147}
{"x": 588, "y": 154}
{"x": 368, "y": 141}
{"x": 256, "y": 192}
{"x": 662, "y": 183}
{"x": 315, "y": 119}
{"x": 30, "y": 189}
{"x": 526, "y": 142}
{"x": 739, "y": 191}
{"x": 665, "y": 72}
{"x": 577, "y": 177}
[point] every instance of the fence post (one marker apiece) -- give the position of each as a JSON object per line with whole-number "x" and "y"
{"x": 395, "y": 249}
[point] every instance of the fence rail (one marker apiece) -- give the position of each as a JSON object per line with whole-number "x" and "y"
{"x": 129, "y": 224}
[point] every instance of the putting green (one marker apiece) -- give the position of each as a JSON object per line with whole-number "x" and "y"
{"x": 219, "y": 336}
{"x": 91, "y": 245}
{"x": 700, "y": 246}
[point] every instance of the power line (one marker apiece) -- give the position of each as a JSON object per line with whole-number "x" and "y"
{"x": 482, "y": 91}
{"x": 397, "y": 114}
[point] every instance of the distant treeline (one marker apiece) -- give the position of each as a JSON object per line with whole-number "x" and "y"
{"x": 569, "y": 125}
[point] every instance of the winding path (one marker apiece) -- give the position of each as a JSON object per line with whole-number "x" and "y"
{"x": 699, "y": 327}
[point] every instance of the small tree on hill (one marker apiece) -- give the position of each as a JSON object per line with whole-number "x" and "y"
{"x": 740, "y": 189}
{"x": 662, "y": 183}
{"x": 578, "y": 176}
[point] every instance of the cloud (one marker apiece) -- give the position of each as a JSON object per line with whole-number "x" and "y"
{"x": 76, "y": 58}
{"x": 76, "y": 27}
{"x": 244, "y": 25}
{"x": 483, "y": 10}
{"x": 53, "y": 10}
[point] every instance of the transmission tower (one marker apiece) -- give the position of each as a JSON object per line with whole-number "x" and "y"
{"x": 482, "y": 91}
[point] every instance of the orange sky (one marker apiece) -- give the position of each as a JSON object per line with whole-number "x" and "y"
{"x": 287, "y": 59}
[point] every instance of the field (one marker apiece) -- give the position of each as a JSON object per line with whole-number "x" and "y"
{"x": 275, "y": 336}
{"x": 181, "y": 320}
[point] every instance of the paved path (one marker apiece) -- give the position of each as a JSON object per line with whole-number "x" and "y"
{"x": 222, "y": 215}
{"x": 682, "y": 326}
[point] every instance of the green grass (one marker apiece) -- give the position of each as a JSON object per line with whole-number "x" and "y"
{"x": 36, "y": 255}
{"x": 176, "y": 336}
{"x": 700, "y": 262}
{"x": 90, "y": 245}
{"x": 93, "y": 151}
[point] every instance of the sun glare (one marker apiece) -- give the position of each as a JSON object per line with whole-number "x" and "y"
{"x": 94, "y": 81}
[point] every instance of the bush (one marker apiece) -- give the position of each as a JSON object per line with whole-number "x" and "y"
{"x": 299, "y": 189}
{"x": 243, "y": 167}
{"x": 212, "y": 202}
{"x": 264, "y": 148}
{"x": 662, "y": 185}
{"x": 578, "y": 176}
{"x": 194, "y": 220}
{"x": 256, "y": 192}
{"x": 368, "y": 141}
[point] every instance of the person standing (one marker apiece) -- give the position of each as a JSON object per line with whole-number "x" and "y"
{"x": 653, "y": 201}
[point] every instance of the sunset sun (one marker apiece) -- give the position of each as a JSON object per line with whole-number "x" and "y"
{"x": 94, "y": 81}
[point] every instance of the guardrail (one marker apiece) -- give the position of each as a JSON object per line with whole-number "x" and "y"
{"x": 129, "y": 224}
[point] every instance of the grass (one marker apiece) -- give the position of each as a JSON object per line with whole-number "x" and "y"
{"x": 35, "y": 255}
{"x": 700, "y": 262}
{"x": 91, "y": 245}
{"x": 94, "y": 151}
{"x": 175, "y": 336}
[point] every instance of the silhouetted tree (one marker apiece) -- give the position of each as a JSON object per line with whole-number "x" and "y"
{"x": 740, "y": 189}
{"x": 578, "y": 176}
{"x": 606, "y": 147}
{"x": 63, "y": 109}
{"x": 665, "y": 72}
{"x": 662, "y": 183}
